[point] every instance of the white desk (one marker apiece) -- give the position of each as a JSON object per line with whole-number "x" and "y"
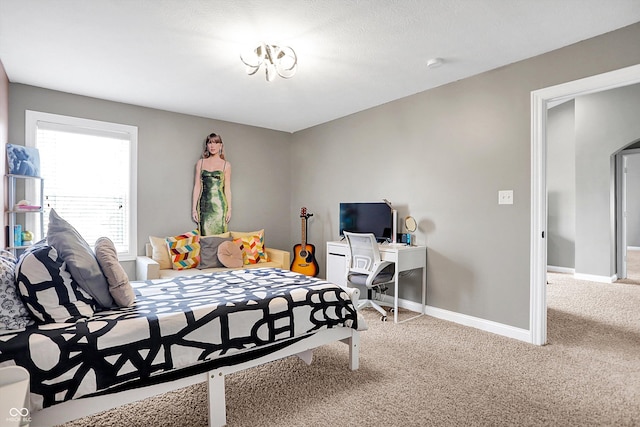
{"x": 405, "y": 257}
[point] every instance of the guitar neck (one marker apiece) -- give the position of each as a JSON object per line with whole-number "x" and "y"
{"x": 303, "y": 232}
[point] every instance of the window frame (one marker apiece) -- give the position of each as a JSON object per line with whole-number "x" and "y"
{"x": 32, "y": 118}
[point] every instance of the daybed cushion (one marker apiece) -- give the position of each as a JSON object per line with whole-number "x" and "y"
{"x": 80, "y": 259}
{"x": 13, "y": 313}
{"x": 184, "y": 250}
{"x": 47, "y": 288}
{"x": 119, "y": 285}
{"x": 230, "y": 255}
{"x": 209, "y": 251}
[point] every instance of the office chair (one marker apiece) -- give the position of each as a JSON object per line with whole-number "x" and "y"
{"x": 365, "y": 268}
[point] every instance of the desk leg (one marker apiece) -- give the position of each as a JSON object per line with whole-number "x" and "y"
{"x": 424, "y": 290}
{"x": 395, "y": 298}
{"x": 423, "y": 310}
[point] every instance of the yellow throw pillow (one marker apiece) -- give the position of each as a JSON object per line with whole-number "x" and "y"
{"x": 238, "y": 234}
{"x": 184, "y": 250}
{"x": 252, "y": 248}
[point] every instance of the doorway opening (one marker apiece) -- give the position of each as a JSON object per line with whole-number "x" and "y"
{"x": 628, "y": 214}
{"x": 540, "y": 100}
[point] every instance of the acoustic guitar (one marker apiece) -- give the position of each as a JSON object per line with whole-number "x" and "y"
{"x": 304, "y": 260}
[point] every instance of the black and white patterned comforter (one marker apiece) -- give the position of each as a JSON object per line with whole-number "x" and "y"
{"x": 175, "y": 324}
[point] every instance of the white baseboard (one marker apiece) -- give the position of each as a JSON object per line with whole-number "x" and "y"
{"x": 633, "y": 248}
{"x": 556, "y": 269}
{"x": 595, "y": 278}
{"x": 466, "y": 320}
{"x": 581, "y": 276}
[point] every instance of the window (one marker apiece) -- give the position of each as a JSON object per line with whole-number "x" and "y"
{"x": 89, "y": 171}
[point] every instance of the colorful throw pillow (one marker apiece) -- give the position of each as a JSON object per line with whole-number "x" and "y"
{"x": 119, "y": 286}
{"x": 184, "y": 250}
{"x": 230, "y": 255}
{"x": 48, "y": 290}
{"x": 238, "y": 234}
{"x": 13, "y": 313}
{"x": 79, "y": 258}
{"x": 209, "y": 251}
{"x": 252, "y": 249}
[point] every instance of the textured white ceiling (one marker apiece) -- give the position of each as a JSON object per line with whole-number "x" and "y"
{"x": 183, "y": 55}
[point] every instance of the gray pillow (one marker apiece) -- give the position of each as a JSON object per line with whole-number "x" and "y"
{"x": 119, "y": 286}
{"x": 209, "y": 251}
{"x": 80, "y": 259}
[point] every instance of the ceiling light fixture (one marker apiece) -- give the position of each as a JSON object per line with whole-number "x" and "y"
{"x": 277, "y": 61}
{"x": 434, "y": 62}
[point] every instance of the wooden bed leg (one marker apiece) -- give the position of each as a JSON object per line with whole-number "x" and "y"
{"x": 354, "y": 350}
{"x": 217, "y": 399}
{"x": 306, "y": 356}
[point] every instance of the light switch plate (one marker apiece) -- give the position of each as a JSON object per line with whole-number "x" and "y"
{"x": 505, "y": 197}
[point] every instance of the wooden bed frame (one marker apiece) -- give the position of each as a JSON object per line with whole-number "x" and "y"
{"x": 303, "y": 348}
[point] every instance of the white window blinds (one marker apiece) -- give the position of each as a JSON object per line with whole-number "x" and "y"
{"x": 89, "y": 175}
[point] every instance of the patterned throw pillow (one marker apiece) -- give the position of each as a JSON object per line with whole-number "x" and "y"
{"x": 47, "y": 288}
{"x": 252, "y": 249}
{"x": 13, "y": 313}
{"x": 184, "y": 250}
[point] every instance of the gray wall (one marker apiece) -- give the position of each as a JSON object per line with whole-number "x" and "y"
{"x": 441, "y": 156}
{"x": 606, "y": 122}
{"x": 561, "y": 186}
{"x": 169, "y": 145}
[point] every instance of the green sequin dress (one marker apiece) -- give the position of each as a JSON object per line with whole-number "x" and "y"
{"x": 213, "y": 203}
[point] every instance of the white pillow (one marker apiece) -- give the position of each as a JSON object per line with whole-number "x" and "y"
{"x": 160, "y": 252}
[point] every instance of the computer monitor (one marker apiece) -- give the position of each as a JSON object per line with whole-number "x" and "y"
{"x": 376, "y": 218}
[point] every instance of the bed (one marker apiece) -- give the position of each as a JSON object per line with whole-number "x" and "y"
{"x": 180, "y": 331}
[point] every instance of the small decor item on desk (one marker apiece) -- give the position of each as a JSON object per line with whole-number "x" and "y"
{"x": 410, "y": 225}
{"x": 25, "y": 205}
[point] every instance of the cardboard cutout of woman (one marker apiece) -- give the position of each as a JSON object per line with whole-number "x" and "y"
{"x": 211, "y": 207}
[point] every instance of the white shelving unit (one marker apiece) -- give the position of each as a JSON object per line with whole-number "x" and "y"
{"x": 19, "y": 216}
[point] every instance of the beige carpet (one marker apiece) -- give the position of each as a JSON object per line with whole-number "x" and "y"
{"x": 633, "y": 268}
{"x": 430, "y": 372}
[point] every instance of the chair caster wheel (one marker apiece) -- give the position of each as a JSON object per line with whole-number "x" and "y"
{"x": 383, "y": 318}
